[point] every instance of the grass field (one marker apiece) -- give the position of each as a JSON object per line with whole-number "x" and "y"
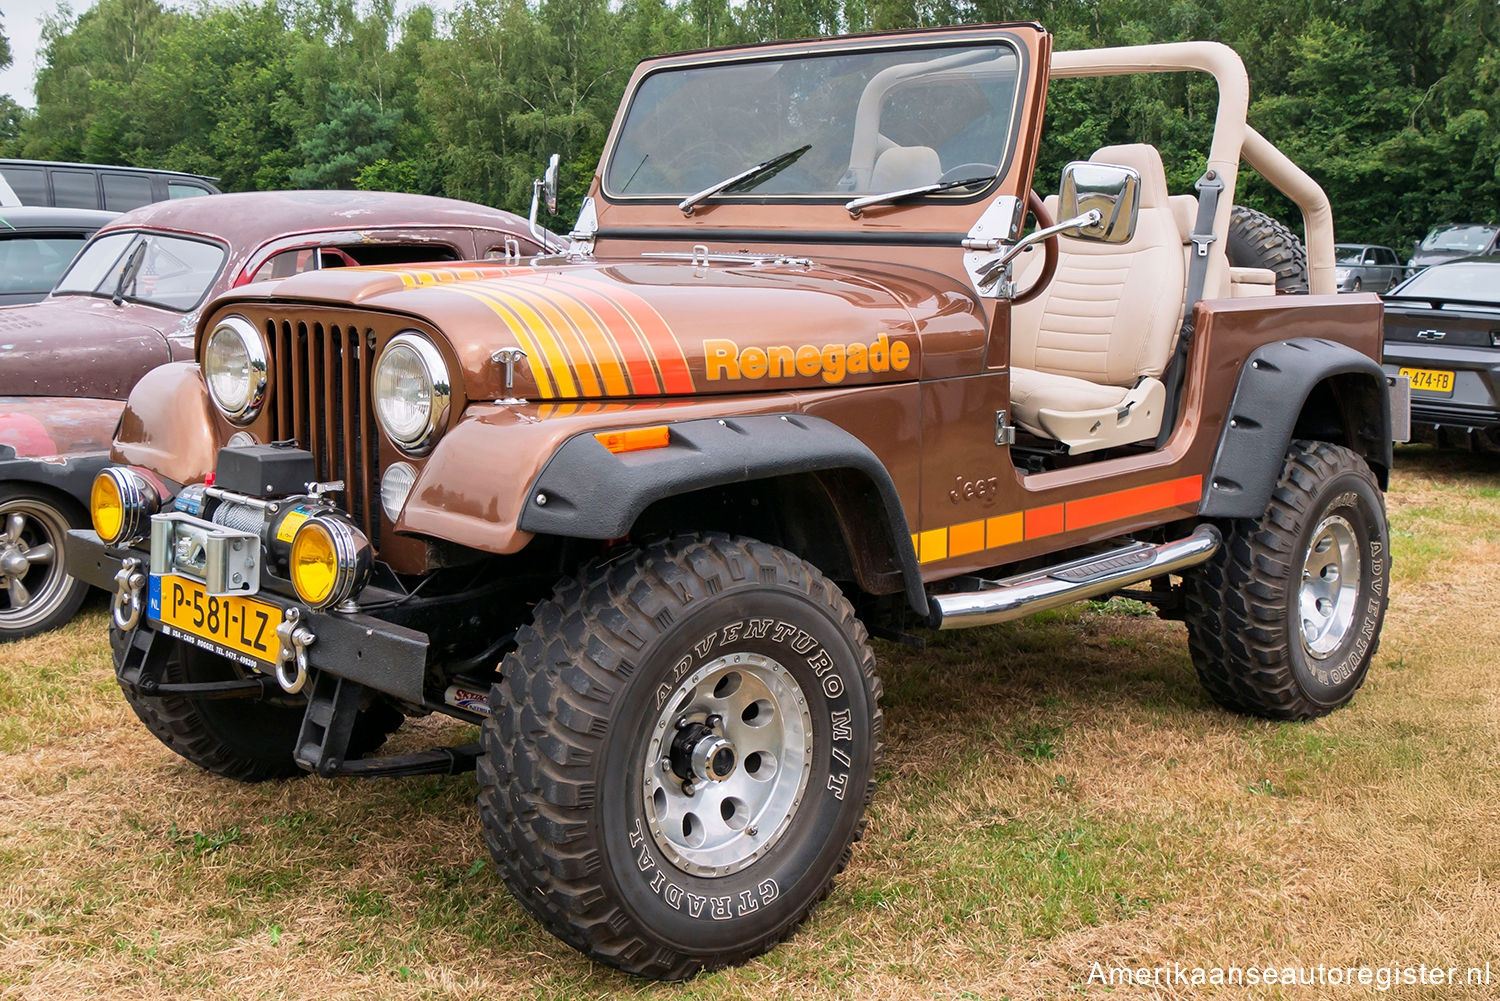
{"x": 1056, "y": 793}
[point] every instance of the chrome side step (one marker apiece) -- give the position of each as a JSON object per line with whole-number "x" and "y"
{"x": 1003, "y": 600}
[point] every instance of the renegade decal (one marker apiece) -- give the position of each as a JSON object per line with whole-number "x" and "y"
{"x": 1034, "y": 523}
{"x": 724, "y": 359}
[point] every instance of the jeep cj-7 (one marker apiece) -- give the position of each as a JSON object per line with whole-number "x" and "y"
{"x": 633, "y": 506}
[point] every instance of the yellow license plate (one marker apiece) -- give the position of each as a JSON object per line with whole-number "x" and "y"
{"x": 1429, "y": 380}
{"x": 242, "y": 629}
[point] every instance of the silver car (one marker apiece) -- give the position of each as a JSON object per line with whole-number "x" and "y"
{"x": 1365, "y": 267}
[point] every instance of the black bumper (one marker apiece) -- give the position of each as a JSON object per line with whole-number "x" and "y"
{"x": 380, "y": 655}
{"x": 1474, "y": 403}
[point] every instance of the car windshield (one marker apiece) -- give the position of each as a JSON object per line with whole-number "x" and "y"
{"x": 871, "y": 121}
{"x": 1474, "y": 282}
{"x": 1472, "y": 239}
{"x": 169, "y": 271}
{"x": 1349, "y": 255}
{"x": 32, "y": 263}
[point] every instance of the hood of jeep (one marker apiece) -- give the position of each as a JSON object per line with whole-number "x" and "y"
{"x": 640, "y": 328}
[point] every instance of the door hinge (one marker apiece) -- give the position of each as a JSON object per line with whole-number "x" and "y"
{"x": 1005, "y": 434}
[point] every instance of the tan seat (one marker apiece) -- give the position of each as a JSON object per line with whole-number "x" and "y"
{"x": 902, "y": 167}
{"x": 1221, "y": 281}
{"x": 1087, "y": 354}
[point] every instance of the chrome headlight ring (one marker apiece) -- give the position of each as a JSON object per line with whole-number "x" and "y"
{"x": 415, "y": 351}
{"x": 242, "y": 406}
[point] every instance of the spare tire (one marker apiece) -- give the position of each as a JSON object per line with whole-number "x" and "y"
{"x": 1258, "y": 241}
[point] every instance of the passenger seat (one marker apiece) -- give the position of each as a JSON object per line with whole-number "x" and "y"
{"x": 1087, "y": 354}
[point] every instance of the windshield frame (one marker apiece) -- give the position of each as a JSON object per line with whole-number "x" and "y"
{"x": 780, "y": 52}
{"x": 136, "y": 234}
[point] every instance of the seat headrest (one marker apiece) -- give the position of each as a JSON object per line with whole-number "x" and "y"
{"x": 1144, "y": 160}
{"x": 905, "y": 167}
{"x": 1185, "y": 211}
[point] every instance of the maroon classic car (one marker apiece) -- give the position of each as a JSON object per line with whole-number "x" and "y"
{"x": 130, "y": 302}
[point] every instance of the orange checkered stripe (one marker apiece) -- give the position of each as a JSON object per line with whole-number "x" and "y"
{"x": 583, "y": 337}
{"x": 1038, "y": 522}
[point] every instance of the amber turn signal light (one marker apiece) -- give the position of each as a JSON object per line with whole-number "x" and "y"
{"x": 635, "y": 439}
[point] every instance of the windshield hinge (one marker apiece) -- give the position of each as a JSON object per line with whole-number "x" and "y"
{"x": 581, "y": 239}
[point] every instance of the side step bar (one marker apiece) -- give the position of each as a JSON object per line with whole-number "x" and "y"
{"x": 1015, "y": 597}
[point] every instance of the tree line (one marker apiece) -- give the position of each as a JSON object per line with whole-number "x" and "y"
{"x": 1393, "y": 105}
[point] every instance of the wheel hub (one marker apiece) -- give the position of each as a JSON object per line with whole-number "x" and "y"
{"x": 13, "y": 561}
{"x": 31, "y": 575}
{"x": 1330, "y": 587}
{"x": 727, "y": 764}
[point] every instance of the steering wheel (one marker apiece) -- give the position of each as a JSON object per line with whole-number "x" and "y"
{"x": 1037, "y": 208}
{"x": 965, "y": 170}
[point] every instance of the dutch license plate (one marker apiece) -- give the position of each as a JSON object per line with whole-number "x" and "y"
{"x": 242, "y": 629}
{"x": 1430, "y": 380}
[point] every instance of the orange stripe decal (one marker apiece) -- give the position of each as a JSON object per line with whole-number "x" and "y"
{"x": 670, "y": 359}
{"x": 534, "y": 359}
{"x": 561, "y": 327}
{"x": 1052, "y": 519}
{"x": 635, "y": 349}
{"x": 585, "y": 326}
{"x": 1091, "y": 511}
{"x": 1043, "y": 521}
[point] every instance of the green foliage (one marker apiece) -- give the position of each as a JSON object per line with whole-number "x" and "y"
{"x": 1392, "y": 105}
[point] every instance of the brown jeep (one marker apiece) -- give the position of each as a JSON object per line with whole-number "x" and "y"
{"x": 634, "y": 505}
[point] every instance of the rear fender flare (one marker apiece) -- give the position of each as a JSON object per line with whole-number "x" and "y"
{"x": 587, "y": 492}
{"x": 1269, "y": 404}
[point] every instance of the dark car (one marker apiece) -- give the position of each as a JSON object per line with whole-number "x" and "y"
{"x": 130, "y": 302}
{"x": 1442, "y": 331}
{"x": 1454, "y": 241}
{"x": 95, "y": 185}
{"x": 37, "y": 243}
{"x": 1364, "y": 267}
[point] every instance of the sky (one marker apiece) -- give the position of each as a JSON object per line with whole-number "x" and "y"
{"x": 23, "y": 26}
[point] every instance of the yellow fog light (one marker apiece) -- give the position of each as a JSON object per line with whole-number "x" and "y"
{"x": 330, "y": 561}
{"x": 121, "y": 504}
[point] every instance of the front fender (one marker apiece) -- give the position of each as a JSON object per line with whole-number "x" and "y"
{"x": 170, "y": 425}
{"x": 56, "y": 442}
{"x": 1270, "y": 403}
{"x": 587, "y": 492}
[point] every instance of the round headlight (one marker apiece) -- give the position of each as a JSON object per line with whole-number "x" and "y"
{"x": 121, "y": 504}
{"x": 411, "y": 391}
{"x": 330, "y": 561}
{"x": 234, "y": 366}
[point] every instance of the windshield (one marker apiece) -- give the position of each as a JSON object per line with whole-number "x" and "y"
{"x": 168, "y": 271}
{"x": 1349, "y": 255}
{"x": 1472, "y": 239}
{"x": 32, "y": 263}
{"x": 871, "y": 121}
{"x": 1477, "y": 282}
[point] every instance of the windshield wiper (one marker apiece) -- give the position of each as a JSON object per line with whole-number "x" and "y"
{"x": 858, "y": 205}
{"x": 760, "y": 171}
{"x": 129, "y": 271}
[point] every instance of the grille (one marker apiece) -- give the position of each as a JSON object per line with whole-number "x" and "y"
{"x": 321, "y": 399}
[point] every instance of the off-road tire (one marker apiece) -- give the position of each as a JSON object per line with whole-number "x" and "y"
{"x": 240, "y": 739}
{"x": 1244, "y": 616}
{"x": 561, "y": 782}
{"x": 1256, "y": 240}
{"x": 53, "y": 596}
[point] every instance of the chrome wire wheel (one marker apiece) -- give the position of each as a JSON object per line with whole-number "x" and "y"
{"x": 1329, "y": 589}
{"x": 727, "y": 764}
{"x": 33, "y": 581}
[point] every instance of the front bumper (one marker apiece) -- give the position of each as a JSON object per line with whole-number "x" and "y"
{"x": 380, "y": 655}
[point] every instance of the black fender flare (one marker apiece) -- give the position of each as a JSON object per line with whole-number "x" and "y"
{"x": 71, "y": 475}
{"x": 587, "y": 492}
{"x": 1274, "y": 385}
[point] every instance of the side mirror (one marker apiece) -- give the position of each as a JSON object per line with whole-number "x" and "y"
{"x": 1114, "y": 192}
{"x": 549, "y": 184}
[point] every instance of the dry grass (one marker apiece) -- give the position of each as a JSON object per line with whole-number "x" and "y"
{"x": 1056, "y": 793}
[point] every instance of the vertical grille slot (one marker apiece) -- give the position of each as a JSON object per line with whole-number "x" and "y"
{"x": 321, "y": 399}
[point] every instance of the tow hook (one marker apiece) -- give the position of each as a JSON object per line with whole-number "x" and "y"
{"x": 126, "y": 608}
{"x": 292, "y": 641}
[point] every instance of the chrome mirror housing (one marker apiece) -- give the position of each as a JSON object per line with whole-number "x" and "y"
{"x": 549, "y": 184}
{"x": 1113, "y": 191}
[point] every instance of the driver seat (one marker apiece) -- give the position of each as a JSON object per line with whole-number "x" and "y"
{"x": 1087, "y": 354}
